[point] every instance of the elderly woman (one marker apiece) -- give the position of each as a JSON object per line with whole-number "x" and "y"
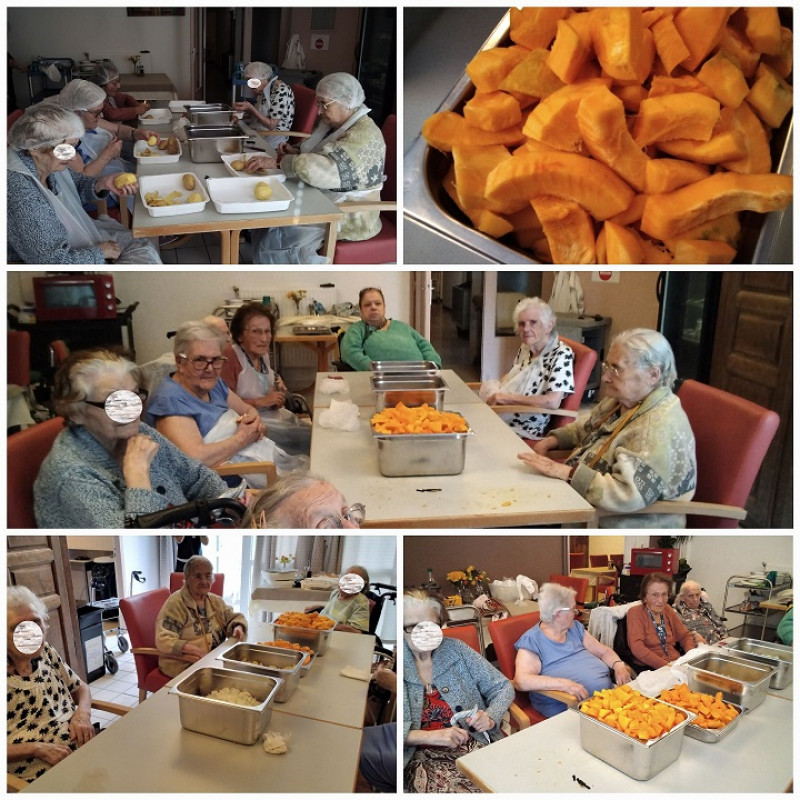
{"x": 274, "y": 102}
{"x": 376, "y": 338}
{"x": 698, "y": 615}
{"x": 558, "y": 653}
{"x": 117, "y": 106}
{"x": 48, "y": 705}
{"x": 197, "y": 412}
{"x": 107, "y": 466}
{"x": 636, "y": 446}
{"x": 194, "y": 621}
{"x": 248, "y": 373}
{"x": 46, "y": 220}
{"x": 350, "y": 609}
{"x": 343, "y": 157}
{"x": 303, "y": 500}
{"x": 654, "y": 628}
{"x": 541, "y": 373}
{"x": 442, "y": 676}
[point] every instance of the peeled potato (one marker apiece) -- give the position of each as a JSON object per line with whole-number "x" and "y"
{"x": 152, "y": 140}
{"x": 123, "y": 179}
{"x": 188, "y": 182}
{"x": 263, "y": 191}
{"x": 238, "y": 165}
{"x": 195, "y": 197}
{"x": 162, "y": 145}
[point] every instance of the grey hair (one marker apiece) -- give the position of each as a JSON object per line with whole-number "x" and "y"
{"x": 21, "y": 598}
{"x": 417, "y": 599}
{"x": 534, "y": 304}
{"x": 686, "y": 585}
{"x": 553, "y": 596}
{"x": 43, "y": 126}
{"x": 258, "y": 69}
{"x": 192, "y": 562}
{"x": 269, "y": 503}
{"x": 194, "y": 331}
{"x": 648, "y": 348}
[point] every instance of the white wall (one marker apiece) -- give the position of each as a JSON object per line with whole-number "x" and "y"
{"x": 137, "y": 552}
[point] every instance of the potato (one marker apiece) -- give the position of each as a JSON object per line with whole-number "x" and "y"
{"x": 238, "y": 165}
{"x": 172, "y": 146}
{"x": 163, "y": 143}
{"x": 195, "y": 197}
{"x": 263, "y": 191}
{"x": 124, "y": 179}
{"x": 188, "y": 181}
{"x": 152, "y": 140}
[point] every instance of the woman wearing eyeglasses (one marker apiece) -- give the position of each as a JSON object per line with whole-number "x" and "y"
{"x": 108, "y": 466}
{"x": 636, "y": 446}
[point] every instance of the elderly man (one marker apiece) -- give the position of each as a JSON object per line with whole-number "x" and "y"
{"x": 698, "y": 615}
{"x": 193, "y": 621}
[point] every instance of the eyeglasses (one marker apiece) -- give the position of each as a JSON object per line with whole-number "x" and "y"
{"x": 573, "y": 610}
{"x": 259, "y": 332}
{"x": 201, "y": 364}
{"x": 612, "y": 368}
{"x": 322, "y": 105}
{"x": 355, "y": 514}
{"x": 410, "y": 628}
{"x": 95, "y": 112}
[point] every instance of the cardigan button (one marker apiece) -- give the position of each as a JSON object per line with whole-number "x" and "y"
{"x": 445, "y": 690}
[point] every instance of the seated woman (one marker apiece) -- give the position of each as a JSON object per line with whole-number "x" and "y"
{"x": 636, "y": 446}
{"x": 442, "y": 676}
{"x": 376, "y": 338}
{"x": 654, "y": 628}
{"x": 248, "y": 373}
{"x": 107, "y": 466}
{"x": 698, "y": 615}
{"x": 118, "y": 106}
{"x": 344, "y": 157}
{"x": 349, "y": 609}
{"x": 197, "y": 412}
{"x": 194, "y": 621}
{"x": 46, "y": 220}
{"x": 542, "y": 372}
{"x": 48, "y": 705}
{"x": 558, "y": 653}
{"x": 273, "y": 106}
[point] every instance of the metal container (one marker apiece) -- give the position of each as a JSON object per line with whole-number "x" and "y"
{"x": 741, "y": 681}
{"x": 405, "y": 455}
{"x": 318, "y": 641}
{"x": 410, "y": 390}
{"x": 637, "y": 759}
{"x": 207, "y": 143}
{"x": 419, "y": 367}
{"x": 775, "y": 655}
{"x": 275, "y": 661}
{"x": 713, "y": 735}
{"x": 211, "y": 114}
{"x": 241, "y": 724}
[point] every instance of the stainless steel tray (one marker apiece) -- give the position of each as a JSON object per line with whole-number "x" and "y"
{"x": 279, "y": 662}
{"x": 712, "y": 735}
{"x": 389, "y": 368}
{"x": 211, "y": 114}
{"x": 318, "y": 641}
{"x": 207, "y": 143}
{"x": 741, "y": 681}
{"x": 778, "y": 656}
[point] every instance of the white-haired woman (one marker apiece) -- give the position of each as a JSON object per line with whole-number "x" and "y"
{"x": 636, "y": 446}
{"x": 107, "y": 466}
{"x": 274, "y": 100}
{"x": 542, "y": 372}
{"x": 344, "y": 157}
{"x": 46, "y": 220}
{"x": 441, "y": 677}
{"x": 48, "y": 706}
{"x": 559, "y": 653}
{"x": 698, "y": 615}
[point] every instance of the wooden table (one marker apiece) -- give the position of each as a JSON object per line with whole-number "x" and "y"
{"x": 755, "y": 757}
{"x": 494, "y": 490}
{"x": 323, "y": 344}
{"x": 598, "y": 576}
{"x": 151, "y": 86}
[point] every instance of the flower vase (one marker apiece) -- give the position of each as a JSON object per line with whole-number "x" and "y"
{"x": 468, "y": 592}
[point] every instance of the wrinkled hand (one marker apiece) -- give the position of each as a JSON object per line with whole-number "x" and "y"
{"x": 481, "y": 721}
{"x": 107, "y": 182}
{"x": 698, "y": 639}
{"x": 449, "y": 737}
{"x": 285, "y": 149}
{"x": 249, "y": 429}
{"x": 621, "y": 674}
{"x": 80, "y": 727}
{"x": 386, "y": 678}
{"x": 545, "y": 445}
{"x": 255, "y": 163}
{"x": 192, "y": 652}
{"x": 139, "y": 454}
{"x": 52, "y": 753}
{"x": 140, "y": 134}
{"x": 501, "y": 399}
{"x": 238, "y": 633}
{"x": 575, "y": 689}
{"x": 243, "y": 105}
{"x": 544, "y": 465}
{"x": 110, "y": 250}
{"x": 274, "y": 400}
{"x": 142, "y": 108}
{"x": 113, "y": 148}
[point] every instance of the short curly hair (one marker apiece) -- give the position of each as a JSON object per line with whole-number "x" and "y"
{"x": 243, "y": 316}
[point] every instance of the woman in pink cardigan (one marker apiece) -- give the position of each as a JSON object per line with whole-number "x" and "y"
{"x": 654, "y": 628}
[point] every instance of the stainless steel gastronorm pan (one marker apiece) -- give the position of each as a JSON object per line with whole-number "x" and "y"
{"x": 318, "y": 641}
{"x": 713, "y": 735}
{"x": 775, "y": 655}
{"x": 390, "y": 367}
{"x": 208, "y": 142}
{"x": 410, "y": 390}
{"x": 279, "y": 662}
{"x": 741, "y": 681}
{"x": 242, "y": 724}
{"x": 766, "y": 238}
{"x": 211, "y": 114}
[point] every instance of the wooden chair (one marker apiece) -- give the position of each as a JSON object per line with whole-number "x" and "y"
{"x": 580, "y": 585}
{"x": 598, "y": 561}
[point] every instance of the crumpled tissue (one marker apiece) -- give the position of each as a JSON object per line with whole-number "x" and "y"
{"x": 331, "y": 385}
{"x": 341, "y": 416}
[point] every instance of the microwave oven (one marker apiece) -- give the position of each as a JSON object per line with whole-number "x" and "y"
{"x": 74, "y": 297}
{"x": 651, "y": 559}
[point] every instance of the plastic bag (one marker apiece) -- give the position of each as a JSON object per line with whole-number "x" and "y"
{"x": 341, "y": 416}
{"x": 332, "y": 385}
{"x": 295, "y": 54}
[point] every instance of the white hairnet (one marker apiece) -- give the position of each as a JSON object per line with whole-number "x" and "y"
{"x": 103, "y": 73}
{"x": 79, "y": 95}
{"x": 258, "y": 69}
{"x": 341, "y": 87}
{"x": 45, "y": 125}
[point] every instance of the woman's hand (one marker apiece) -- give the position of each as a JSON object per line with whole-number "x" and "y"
{"x": 502, "y": 399}
{"x": 481, "y": 721}
{"x": 621, "y": 673}
{"x": 244, "y": 105}
{"x": 574, "y": 688}
{"x": 142, "y": 109}
{"x": 110, "y": 250}
{"x": 448, "y": 737}
{"x": 80, "y": 727}
{"x": 139, "y": 454}
{"x": 256, "y": 163}
{"x": 112, "y": 149}
{"x": 51, "y": 753}
{"x": 249, "y": 429}
{"x": 698, "y": 639}
{"x": 238, "y": 633}
{"x": 545, "y": 466}
{"x": 272, "y": 399}
{"x": 285, "y": 149}
{"x": 107, "y": 182}
{"x": 142, "y": 134}
{"x": 544, "y": 445}
{"x": 191, "y": 651}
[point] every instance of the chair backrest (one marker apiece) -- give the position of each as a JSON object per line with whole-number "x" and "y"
{"x": 305, "y": 108}
{"x": 177, "y": 579}
{"x": 13, "y": 117}
{"x": 617, "y": 558}
{"x": 577, "y": 560}
{"x": 580, "y": 585}
{"x": 585, "y": 359}
{"x": 465, "y": 633}
{"x": 18, "y": 350}
{"x": 26, "y": 451}
{"x": 504, "y": 634}
{"x": 598, "y": 561}
{"x": 140, "y": 612}
{"x": 59, "y": 352}
{"x": 389, "y": 131}
{"x": 732, "y": 437}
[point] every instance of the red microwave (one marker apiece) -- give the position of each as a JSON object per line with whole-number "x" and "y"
{"x": 651, "y": 559}
{"x": 76, "y": 296}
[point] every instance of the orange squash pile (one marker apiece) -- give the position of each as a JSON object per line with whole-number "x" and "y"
{"x": 622, "y": 135}
{"x": 629, "y": 711}
{"x": 712, "y": 712}
{"x": 421, "y": 419}
{"x": 297, "y": 619}
{"x": 300, "y": 648}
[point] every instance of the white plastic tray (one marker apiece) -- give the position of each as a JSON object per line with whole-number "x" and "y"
{"x": 162, "y": 158}
{"x": 156, "y": 116}
{"x": 236, "y": 195}
{"x": 164, "y": 184}
{"x": 229, "y": 158}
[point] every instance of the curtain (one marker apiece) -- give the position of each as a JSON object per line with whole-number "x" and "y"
{"x": 320, "y": 553}
{"x": 167, "y": 552}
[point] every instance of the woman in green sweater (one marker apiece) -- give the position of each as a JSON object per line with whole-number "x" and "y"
{"x": 375, "y": 338}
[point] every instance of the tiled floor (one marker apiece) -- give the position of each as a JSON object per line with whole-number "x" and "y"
{"x": 203, "y": 248}
{"x": 120, "y": 688}
{"x": 453, "y": 349}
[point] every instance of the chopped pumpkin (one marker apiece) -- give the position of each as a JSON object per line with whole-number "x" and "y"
{"x": 568, "y": 229}
{"x": 770, "y": 96}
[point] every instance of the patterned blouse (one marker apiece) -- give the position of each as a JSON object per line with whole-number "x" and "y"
{"x": 279, "y": 105}
{"x": 703, "y": 620}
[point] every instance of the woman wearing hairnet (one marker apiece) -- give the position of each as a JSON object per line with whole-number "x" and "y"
{"x": 273, "y": 106}
{"x": 46, "y": 220}
{"x": 344, "y": 157}
{"x": 118, "y": 106}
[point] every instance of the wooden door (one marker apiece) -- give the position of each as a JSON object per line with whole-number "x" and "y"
{"x": 752, "y": 358}
{"x": 42, "y": 564}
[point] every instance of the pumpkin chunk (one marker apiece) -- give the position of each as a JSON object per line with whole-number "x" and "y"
{"x": 532, "y": 76}
{"x": 568, "y": 228}
{"x": 668, "y": 174}
{"x": 670, "y": 47}
{"x": 489, "y": 67}
{"x": 623, "y": 245}
{"x": 763, "y": 28}
{"x": 492, "y": 111}
{"x": 446, "y": 128}
{"x": 618, "y": 38}
{"x": 770, "y": 96}
{"x": 568, "y": 54}
{"x": 723, "y": 75}
{"x": 701, "y": 30}
{"x": 534, "y": 27}
{"x": 699, "y": 251}
{"x": 688, "y": 115}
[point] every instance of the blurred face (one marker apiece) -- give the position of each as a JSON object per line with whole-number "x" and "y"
{"x": 47, "y": 158}
{"x": 256, "y": 336}
{"x": 692, "y": 598}
{"x": 373, "y": 309}
{"x": 199, "y": 581}
{"x": 14, "y": 619}
{"x": 412, "y": 617}
{"x": 656, "y": 597}
{"x": 262, "y": 84}
{"x": 96, "y": 421}
{"x": 200, "y": 365}
{"x": 626, "y": 381}
{"x": 533, "y": 330}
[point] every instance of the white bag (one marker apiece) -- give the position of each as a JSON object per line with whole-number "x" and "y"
{"x": 341, "y": 416}
{"x": 295, "y": 55}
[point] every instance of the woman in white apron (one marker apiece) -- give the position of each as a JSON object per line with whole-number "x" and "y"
{"x": 344, "y": 158}
{"x": 273, "y": 105}
{"x": 46, "y": 220}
